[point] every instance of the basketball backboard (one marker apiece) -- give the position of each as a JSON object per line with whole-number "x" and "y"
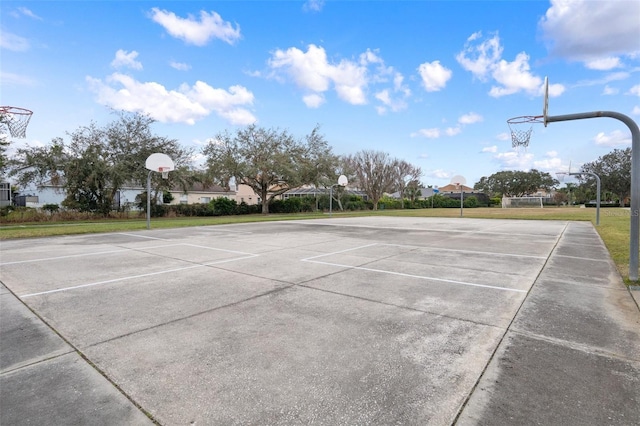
{"x": 342, "y": 180}
{"x": 160, "y": 163}
{"x": 458, "y": 180}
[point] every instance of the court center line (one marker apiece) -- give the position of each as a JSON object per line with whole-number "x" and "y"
{"x": 135, "y": 276}
{"x": 417, "y": 276}
{"x": 338, "y": 252}
{"x": 43, "y": 259}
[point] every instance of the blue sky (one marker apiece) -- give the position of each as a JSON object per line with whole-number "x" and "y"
{"x": 430, "y": 82}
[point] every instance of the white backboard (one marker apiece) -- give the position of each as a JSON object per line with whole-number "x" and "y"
{"x": 159, "y": 162}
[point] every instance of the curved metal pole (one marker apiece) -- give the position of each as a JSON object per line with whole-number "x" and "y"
{"x": 597, "y": 190}
{"x": 634, "y": 246}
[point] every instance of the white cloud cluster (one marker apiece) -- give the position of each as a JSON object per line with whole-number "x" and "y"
{"x": 483, "y": 58}
{"x": 597, "y": 33}
{"x": 194, "y": 31}
{"x": 434, "y": 76}
{"x": 126, "y": 59}
{"x": 615, "y": 138}
{"x": 314, "y": 73}
{"x": 185, "y": 105}
{"x": 313, "y": 5}
{"x": 13, "y": 42}
{"x": 435, "y": 133}
{"x": 180, "y": 66}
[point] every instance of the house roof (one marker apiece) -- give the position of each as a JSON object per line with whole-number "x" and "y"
{"x": 453, "y": 188}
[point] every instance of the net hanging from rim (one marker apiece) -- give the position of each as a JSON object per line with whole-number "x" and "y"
{"x": 15, "y": 120}
{"x": 165, "y": 172}
{"x": 522, "y": 128}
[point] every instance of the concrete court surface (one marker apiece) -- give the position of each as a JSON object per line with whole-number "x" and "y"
{"x": 341, "y": 321}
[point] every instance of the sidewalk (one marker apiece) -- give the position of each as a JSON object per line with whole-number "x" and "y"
{"x": 572, "y": 354}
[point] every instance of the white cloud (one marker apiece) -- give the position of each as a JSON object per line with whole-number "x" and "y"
{"x": 126, "y": 59}
{"x": 480, "y": 59}
{"x": 180, "y": 66}
{"x": 484, "y": 59}
{"x": 434, "y": 76}
{"x": 609, "y": 90}
{"x": 313, "y": 5}
{"x": 615, "y": 138}
{"x": 592, "y": 30}
{"x": 514, "y": 160}
{"x": 503, "y": 136}
{"x": 493, "y": 148}
{"x": 636, "y": 110}
{"x": 433, "y": 133}
{"x": 194, "y": 31}
{"x": 470, "y": 118}
{"x": 7, "y": 78}
{"x": 313, "y": 100}
{"x": 514, "y": 77}
{"x": 29, "y": 13}
{"x": 185, "y": 105}
{"x": 603, "y": 64}
{"x": 452, "y": 131}
{"x": 13, "y": 42}
{"x": 439, "y": 174}
{"x": 313, "y": 72}
{"x": 635, "y": 90}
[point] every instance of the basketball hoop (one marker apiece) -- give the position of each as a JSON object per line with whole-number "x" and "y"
{"x": 16, "y": 120}
{"x": 521, "y": 129}
{"x": 165, "y": 172}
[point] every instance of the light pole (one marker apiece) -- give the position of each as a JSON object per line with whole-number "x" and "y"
{"x": 342, "y": 181}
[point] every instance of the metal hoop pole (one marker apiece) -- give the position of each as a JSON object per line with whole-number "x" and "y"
{"x": 634, "y": 246}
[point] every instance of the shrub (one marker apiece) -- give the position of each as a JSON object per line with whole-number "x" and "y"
{"x": 224, "y": 206}
{"x": 51, "y": 208}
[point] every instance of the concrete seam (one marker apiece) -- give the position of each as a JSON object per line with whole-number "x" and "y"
{"x": 85, "y": 358}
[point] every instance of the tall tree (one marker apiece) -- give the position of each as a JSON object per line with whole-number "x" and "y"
{"x": 96, "y": 162}
{"x": 269, "y": 161}
{"x": 374, "y": 173}
{"x": 515, "y": 183}
{"x": 404, "y": 173}
{"x": 614, "y": 170}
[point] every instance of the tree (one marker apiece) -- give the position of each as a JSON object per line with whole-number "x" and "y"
{"x": 515, "y": 183}
{"x": 614, "y": 170}
{"x": 412, "y": 191}
{"x": 270, "y": 161}
{"x": 404, "y": 173}
{"x": 374, "y": 173}
{"x": 96, "y": 162}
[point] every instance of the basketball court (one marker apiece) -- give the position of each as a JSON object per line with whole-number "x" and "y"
{"x": 374, "y": 320}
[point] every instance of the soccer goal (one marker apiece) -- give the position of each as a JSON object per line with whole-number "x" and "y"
{"x": 521, "y": 202}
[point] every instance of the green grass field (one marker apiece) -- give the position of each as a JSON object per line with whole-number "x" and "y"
{"x": 614, "y": 228}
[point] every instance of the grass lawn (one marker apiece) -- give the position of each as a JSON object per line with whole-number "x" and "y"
{"x": 614, "y": 228}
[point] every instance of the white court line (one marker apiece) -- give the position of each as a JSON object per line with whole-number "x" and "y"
{"x": 429, "y": 248}
{"x": 338, "y": 252}
{"x": 142, "y": 236}
{"x": 135, "y": 276}
{"x": 43, "y": 259}
{"x": 432, "y": 248}
{"x": 398, "y": 228}
{"x": 419, "y": 277}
